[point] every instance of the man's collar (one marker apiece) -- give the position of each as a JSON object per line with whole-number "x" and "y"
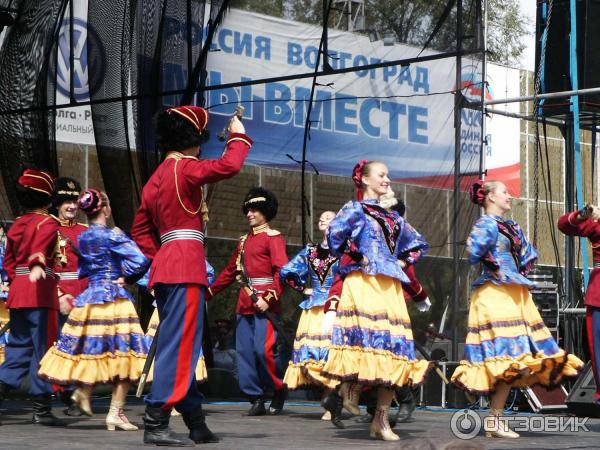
{"x": 260, "y": 228}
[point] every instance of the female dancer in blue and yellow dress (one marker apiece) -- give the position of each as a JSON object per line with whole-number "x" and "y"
{"x": 372, "y": 342}
{"x": 312, "y": 272}
{"x": 4, "y": 319}
{"x": 102, "y": 340}
{"x": 507, "y": 342}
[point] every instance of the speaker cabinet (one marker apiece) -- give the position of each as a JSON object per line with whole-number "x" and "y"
{"x": 581, "y": 399}
{"x": 556, "y": 68}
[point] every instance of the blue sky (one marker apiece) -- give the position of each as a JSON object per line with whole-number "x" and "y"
{"x": 528, "y": 58}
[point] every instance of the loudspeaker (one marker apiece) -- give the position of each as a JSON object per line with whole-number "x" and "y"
{"x": 556, "y": 69}
{"x": 434, "y": 392}
{"x": 581, "y": 399}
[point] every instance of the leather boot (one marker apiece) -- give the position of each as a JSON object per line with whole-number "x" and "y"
{"x": 333, "y": 403}
{"x": 278, "y": 400}
{"x": 157, "y": 431}
{"x": 380, "y": 426}
{"x": 350, "y": 393}
{"x": 496, "y": 426}
{"x": 257, "y": 408}
{"x": 199, "y": 432}
{"x": 42, "y": 412}
{"x": 3, "y": 391}
{"x": 72, "y": 409}
{"x": 116, "y": 418}
{"x": 407, "y": 405}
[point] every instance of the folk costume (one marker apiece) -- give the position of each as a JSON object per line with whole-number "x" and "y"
{"x": 201, "y": 373}
{"x": 257, "y": 260}
{"x": 371, "y": 341}
{"x": 575, "y": 224}
{"x": 102, "y": 340}
{"x": 33, "y": 305}
{"x": 314, "y": 267}
{"x": 66, "y": 264}
{"x": 168, "y": 227}
{"x": 4, "y": 315}
{"x": 507, "y": 339}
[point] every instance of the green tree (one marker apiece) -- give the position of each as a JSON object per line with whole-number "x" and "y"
{"x": 411, "y": 22}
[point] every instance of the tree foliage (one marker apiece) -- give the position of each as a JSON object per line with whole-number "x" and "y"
{"x": 412, "y": 21}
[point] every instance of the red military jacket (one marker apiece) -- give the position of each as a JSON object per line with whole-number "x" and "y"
{"x": 571, "y": 225}
{"x": 168, "y": 225}
{"x": 264, "y": 255}
{"x": 31, "y": 241}
{"x": 66, "y": 265}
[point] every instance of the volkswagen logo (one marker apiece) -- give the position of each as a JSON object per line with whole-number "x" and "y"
{"x": 88, "y": 60}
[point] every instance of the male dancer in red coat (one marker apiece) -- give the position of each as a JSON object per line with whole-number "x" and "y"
{"x": 64, "y": 201}
{"x": 168, "y": 228}
{"x": 258, "y": 258}
{"x": 32, "y": 299}
{"x": 584, "y": 223}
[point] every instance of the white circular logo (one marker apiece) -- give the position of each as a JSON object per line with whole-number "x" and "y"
{"x": 465, "y": 424}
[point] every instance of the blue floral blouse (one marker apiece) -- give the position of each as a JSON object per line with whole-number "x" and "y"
{"x": 107, "y": 254}
{"x": 500, "y": 245}
{"x": 376, "y": 239}
{"x": 3, "y": 276}
{"x": 316, "y": 264}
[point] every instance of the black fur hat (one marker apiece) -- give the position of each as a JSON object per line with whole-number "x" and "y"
{"x": 65, "y": 188}
{"x": 261, "y": 200}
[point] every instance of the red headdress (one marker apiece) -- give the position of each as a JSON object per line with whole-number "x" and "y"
{"x": 357, "y": 178}
{"x": 195, "y": 115}
{"x": 37, "y": 180}
{"x": 476, "y": 192}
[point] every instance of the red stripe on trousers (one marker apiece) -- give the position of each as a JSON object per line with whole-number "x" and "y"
{"x": 270, "y": 360}
{"x": 186, "y": 346}
{"x": 589, "y": 325}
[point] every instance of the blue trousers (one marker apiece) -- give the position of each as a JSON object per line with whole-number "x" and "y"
{"x": 592, "y": 317}
{"x": 259, "y": 365}
{"x": 32, "y": 332}
{"x": 179, "y": 347}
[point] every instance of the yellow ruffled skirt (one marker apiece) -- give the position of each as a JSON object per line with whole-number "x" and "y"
{"x": 372, "y": 341}
{"x": 508, "y": 341}
{"x": 201, "y": 374}
{"x": 4, "y": 318}
{"x": 100, "y": 343}
{"x": 311, "y": 348}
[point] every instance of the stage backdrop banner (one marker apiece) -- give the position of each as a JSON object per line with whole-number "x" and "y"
{"x": 401, "y": 115}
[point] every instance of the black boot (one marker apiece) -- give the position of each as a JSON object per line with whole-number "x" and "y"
{"x": 199, "y": 432}
{"x": 278, "y": 400}
{"x": 157, "y": 431}
{"x": 407, "y": 405}
{"x": 42, "y": 412}
{"x": 72, "y": 409}
{"x": 3, "y": 391}
{"x": 334, "y": 404}
{"x": 257, "y": 408}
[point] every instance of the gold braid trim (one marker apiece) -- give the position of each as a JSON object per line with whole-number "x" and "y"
{"x": 202, "y": 207}
{"x": 238, "y": 260}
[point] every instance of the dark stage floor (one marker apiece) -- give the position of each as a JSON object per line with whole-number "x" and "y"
{"x": 298, "y": 427}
